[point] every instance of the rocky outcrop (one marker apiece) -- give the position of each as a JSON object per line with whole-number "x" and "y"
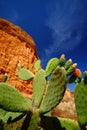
{"x": 16, "y": 48}
{"x": 66, "y": 108}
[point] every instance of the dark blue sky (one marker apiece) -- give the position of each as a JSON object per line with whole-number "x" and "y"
{"x": 57, "y": 26}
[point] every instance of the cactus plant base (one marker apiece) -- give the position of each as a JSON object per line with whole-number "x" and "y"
{"x": 13, "y": 126}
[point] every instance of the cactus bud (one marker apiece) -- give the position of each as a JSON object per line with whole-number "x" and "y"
{"x": 85, "y": 77}
{"x": 4, "y": 79}
{"x": 68, "y": 64}
{"x": 71, "y": 69}
{"x": 77, "y": 72}
{"x": 62, "y": 60}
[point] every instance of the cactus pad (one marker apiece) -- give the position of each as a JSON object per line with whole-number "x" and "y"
{"x": 39, "y": 84}
{"x": 68, "y": 64}
{"x": 68, "y": 124}
{"x": 37, "y": 65}
{"x": 25, "y": 74}
{"x": 51, "y": 65}
{"x": 55, "y": 91}
{"x": 81, "y": 102}
{"x": 6, "y": 116}
{"x": 12, "y": 100}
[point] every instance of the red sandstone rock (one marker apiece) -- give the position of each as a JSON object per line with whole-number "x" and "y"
{"x": 16, "y": 48}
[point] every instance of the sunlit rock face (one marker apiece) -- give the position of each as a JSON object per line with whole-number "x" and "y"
{"x": 17, "y": 48}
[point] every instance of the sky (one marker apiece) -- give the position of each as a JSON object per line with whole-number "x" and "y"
{"x": 57, "y": 27}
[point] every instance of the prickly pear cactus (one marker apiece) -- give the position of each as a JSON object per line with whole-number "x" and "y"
{"x": 4, "y": 79}
{"x": 55, "y": 91}
{"x": 35, "y": 113}
{"x": 62, "y": 60}
{"x": 25, "y": 74}
{"x": 68, "y": 124}
{"x": 39, "y": 85}
{"x": 34, "y": 123}
{"x": 51, "y": 65}
{"x": 12, "y": 100}
{"x": 37, "y": 65}
{"x": 8, "y": 117}
{"x": 68, "y": 64}
{"x": 59, "y": 123}
{"x": 81, "y": 102}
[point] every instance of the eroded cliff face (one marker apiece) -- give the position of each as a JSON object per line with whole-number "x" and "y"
{"x": 17, "y": 48}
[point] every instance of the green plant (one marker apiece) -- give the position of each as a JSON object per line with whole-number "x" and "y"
{"x": 49, "y": 86}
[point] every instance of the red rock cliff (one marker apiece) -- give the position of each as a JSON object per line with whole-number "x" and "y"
{"x": 16, "y": 48}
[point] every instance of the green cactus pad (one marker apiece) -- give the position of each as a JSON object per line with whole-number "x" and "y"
{"x": 25, "y": 74}
{"x": 39, "y": 84}
{"x": 55, "y": 91}
{"x": 68, "y": 64}
{"x": 51, "y": 65}
{"x": 62, "y": 61}
{"x": 6, "y": 116}
{"x": 81, "y": 102}
{"x": 70, "y": 70}
{"x": 37, "y": 65}
{"x": 12, "y": 100}
{"x": 68, "y": 124}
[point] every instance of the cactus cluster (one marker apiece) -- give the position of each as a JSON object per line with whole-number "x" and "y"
{"x": 49, "y": 86}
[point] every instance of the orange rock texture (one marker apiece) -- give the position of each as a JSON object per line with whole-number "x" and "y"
{"x": 16, "y": 48}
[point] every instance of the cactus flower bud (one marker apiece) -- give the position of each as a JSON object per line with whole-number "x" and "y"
{"x": 74, "y": 65}
{"x": 62, "y": 60}
{"x": 68, "y": 64}
{"x": 77, "y": 72}
{"x": 71, "y": 69}
{"x": 4, "y": 79}
{"x": 62, "y": 56}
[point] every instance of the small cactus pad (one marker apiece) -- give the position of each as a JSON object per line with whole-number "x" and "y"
{"x": 39, "y": 84}
{"x": 6, "y": 116}
{"x": 37, "y": 65}
{"x": 81, "y": 102}
{"x": 70, "y": 70}
{"x": 4, "y": 79}
{"x": 25, "y": 74}
{"x": 55, "y": 91}
{"x": 68, "y": 124}
{"x": 51, "y": 65}
{"x": 62, "y": 60}
{"x": 68, "y": 64}
{"x": 12, "y": 100}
